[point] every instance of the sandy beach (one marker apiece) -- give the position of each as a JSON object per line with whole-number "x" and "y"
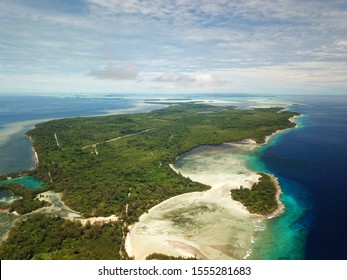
{"x": 205, "y": 225}
{"x": 35, "y": 155}
{"x": 292, "y": 120}
{"x": 280, "y": 205}
{"x": 183, "y": 225}
{"x": 59, "y": 208}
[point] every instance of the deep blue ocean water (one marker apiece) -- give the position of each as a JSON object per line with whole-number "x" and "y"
{"x": 310, "y": 163}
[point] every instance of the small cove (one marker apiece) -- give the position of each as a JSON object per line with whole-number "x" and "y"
{"x": 189, "y": 220}
{"x": 27, "y": 181}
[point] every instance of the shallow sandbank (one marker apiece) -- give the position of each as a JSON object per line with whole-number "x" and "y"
{"x": 59, "y": 208}
{"x": 207, "y": 225}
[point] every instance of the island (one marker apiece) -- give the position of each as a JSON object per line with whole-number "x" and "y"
{"x": 120, "y": 166}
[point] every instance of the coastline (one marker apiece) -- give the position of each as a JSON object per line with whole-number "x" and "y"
{"x": 203, "y": 214}
{"x": 177, "y": 245}
{"x": 12, "y": 128}
{"x": 35, "y": 155}
{"x": 268, "y": 138}
{"x": 23, "y": 127}
{"x": 59, "y": 208}
{"x": 280, "y": 206}
{"x": 135, "y": 245}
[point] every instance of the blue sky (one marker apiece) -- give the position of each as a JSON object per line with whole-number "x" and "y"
{"x": 182, "y": 46}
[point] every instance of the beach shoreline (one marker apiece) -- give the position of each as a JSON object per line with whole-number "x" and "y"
{"x": 181, "y": 246}
{"x": 133, "y": 243}
{"x": 215, "y": 199}
{"x": 35, "y": 155}
{"x": 280, "y": 205}
{"x": 292, "y": 120}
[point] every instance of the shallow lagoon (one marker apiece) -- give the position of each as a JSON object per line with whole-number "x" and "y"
{"x": 27, "y": 181}
{"x": 204, "y": 224}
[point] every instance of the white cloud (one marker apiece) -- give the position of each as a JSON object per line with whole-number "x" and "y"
{"x": 203, "y": 80}
{"x": 111, "y": 72}
{"x": 208, "y": 11}
{"x": 174, "y": 78}
{"x": 182, "y": 45}
{"x": 295, "y": 77}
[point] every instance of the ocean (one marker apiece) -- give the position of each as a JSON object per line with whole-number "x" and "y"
{"x": 309, "y": 161}
{"x": 19, "y": 114}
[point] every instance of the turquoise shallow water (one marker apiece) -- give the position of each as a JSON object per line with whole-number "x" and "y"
{"x": 283, "y": 237}
{"x": 310, "y": 164}
{"x": 27, "y": 181}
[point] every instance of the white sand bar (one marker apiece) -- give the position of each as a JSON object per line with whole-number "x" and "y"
{"x": 208, "y": 225}
{"x": 59, "y": 208}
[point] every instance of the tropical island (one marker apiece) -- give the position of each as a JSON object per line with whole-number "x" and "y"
{"x": 119, "y": 166}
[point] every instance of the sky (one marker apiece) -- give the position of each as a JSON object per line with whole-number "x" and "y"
{"x": 182, "y": 46}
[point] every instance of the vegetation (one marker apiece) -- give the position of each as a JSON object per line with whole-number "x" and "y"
{"x": 28, "y": 201}
{"x": 157, "y": 256}
{"x": 48, "y": 237}
{"x": 261, "y": 199}
{"x": 120, "y": 165}
{"x": 134, "y": 171}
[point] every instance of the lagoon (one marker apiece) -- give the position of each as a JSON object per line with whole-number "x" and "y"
{"x": 27, "y": 181}
{"x": 309, "y": 163}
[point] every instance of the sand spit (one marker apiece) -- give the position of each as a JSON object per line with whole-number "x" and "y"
{"x": 205, "y": 225}
{"x": 191, "y": 220}
{"x": 280, "y": 207}
{"x": 292, "y": 120}
{"x": 186, "y": 250}
{"x": 59, "y": 208}
{"x": 98, "y": 220}
{"x": 35, "y": 155}
{"x": 139, "y": 108}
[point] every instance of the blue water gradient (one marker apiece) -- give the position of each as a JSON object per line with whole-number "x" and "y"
{"x": 27, "y": 181}
{"x": 310, "y": 163}
{"x": 23, "y": 108}
{"x": 18, "y": 114}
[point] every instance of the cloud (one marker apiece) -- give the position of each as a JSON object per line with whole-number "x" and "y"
{"x": 181, "y": 45}
{"x": 174, "y": 78}
{"x": 204, "y": 80}
{"x": 221, "y": 12}
{"x": 208, "y": 80}
{"x": 111, "y": 72}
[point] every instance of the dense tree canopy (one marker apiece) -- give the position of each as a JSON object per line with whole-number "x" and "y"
{"x": 101, "y": 179}
{"x": 120, "y": 165}
{"x": 261, "y": 198}
{"x": 48, "y": 237}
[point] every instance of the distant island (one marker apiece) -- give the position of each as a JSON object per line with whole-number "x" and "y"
{"x": 119, "y": 166}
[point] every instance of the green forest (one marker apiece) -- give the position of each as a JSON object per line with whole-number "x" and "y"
{"x": 261, "y": 198}
{"x": 45, "y": 237}
{"x": 120, "y": 165}
{"x": 27, "y": 202}
{"x": 157, "y": 256}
